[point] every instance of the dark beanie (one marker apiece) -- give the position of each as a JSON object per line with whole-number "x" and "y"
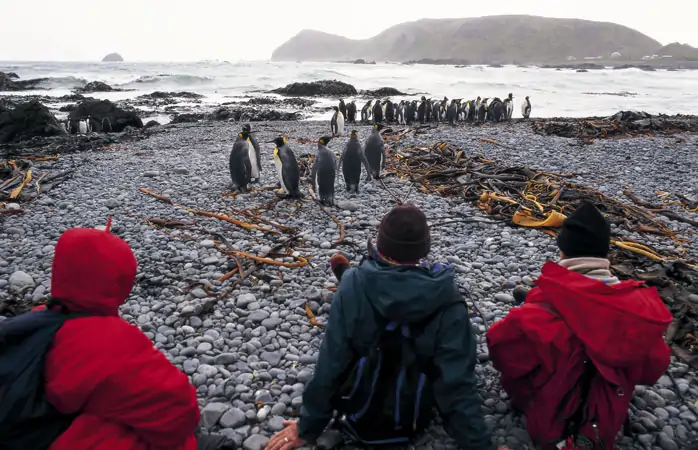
{"x": 586, "y": 232}
{"x": 403, "y": 235}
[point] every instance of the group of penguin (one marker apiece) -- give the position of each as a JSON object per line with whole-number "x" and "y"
{"x": 428, "y": 110}
{"x": 86, "y": 125}
{"x": 245, "y": 164}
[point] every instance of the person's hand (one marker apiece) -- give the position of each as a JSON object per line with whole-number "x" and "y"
{"x": 286, "y": 439}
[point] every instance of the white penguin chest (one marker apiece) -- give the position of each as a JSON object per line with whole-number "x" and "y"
{"x": 253, "y": 159}
{"x": 280, "y": 173}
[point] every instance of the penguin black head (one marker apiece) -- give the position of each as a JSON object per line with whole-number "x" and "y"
{"x": 247, "y": 128}
{"x": 511, "y": 96}
{"x": 527, "y": 97}
{"x": 324, "y": 140}
{"x": 280, "y": 141}
{"x": 354, "y": 133}
{"x": 243, "y": 134}
{"x": 336, "y": 108}
{"x": 424, "y": 99}
{"x": 377, "y": 126}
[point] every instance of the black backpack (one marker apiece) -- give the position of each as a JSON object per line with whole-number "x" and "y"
{"x": 387, "y": 397}
{"x": 27, "y": 420}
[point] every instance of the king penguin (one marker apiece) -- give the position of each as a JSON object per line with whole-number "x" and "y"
{"x": 509, "y": 103}
{"x": 351, "y": 111}
{"x": 255, "y": 158}
{"x": 374, "y": 152}
{"x": 289, "y": 174}
{"x": 452, "y": 113}
{"x": 337, "y": 122}
{"x": 351, "y": 161}
{"x": 526, "y": 108}
{"x": 377, "y": 112}
{"x": 343, "y": 108}
{"x": 239, "y": 163}
{"x": 323, "y": 173}
{"x": 366, "y": 112}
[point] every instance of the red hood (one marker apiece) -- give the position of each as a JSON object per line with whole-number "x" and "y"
{"x": 93, "y": 271}
{"x": 616, "y": 323}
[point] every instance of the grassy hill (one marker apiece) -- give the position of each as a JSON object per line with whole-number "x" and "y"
{"x": 481, "y": 40}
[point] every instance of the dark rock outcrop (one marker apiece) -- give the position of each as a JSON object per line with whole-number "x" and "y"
{"x": 96, "y": 86}
{"x": 28, "y": 120}
{"x": 382, "y": 92}
{"x": 106, "y": 116}
{"x": 8, "y": 82}
{"x": 188, "y": 118}
{"x": 577, "y": 66}
{"x": 440, "y": 61}
{"x": 160, "y": 95}
{"x": 113, "y": 57}
{"x": 645, "y": 67}
{"x": 268, "y": 101}
{"x": 363, "y": 61}
{"x": 323, "y": 88}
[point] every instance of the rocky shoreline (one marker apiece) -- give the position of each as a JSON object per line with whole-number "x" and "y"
{"x": 249, "y": 344}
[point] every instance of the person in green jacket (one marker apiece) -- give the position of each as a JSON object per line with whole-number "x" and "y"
{"x": 391, "y": 284}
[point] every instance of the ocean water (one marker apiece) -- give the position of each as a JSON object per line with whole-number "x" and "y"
{"x": 553, "y": 93}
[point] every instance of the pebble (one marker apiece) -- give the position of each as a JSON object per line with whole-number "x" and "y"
{"x": 233, "y": 418}
{"x": 255, "y": 344}
{"x": 255, "y": 442}
{"x": 19, "y": 281}
{"x": 211, "y": 414}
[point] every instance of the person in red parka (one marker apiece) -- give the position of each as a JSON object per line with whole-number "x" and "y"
{"x": 126, "y": 393}
{"x": 570, "y": 357}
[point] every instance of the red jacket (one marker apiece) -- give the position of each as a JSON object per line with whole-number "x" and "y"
{"x": 129, "y": 395}
{"x": 540, "y": 349}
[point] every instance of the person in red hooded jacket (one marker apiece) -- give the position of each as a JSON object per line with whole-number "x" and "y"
{"x": 125, "y": 392}
{"x": 571, "y": 356}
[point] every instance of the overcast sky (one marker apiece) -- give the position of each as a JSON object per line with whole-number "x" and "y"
{"x": 192, "y": 30}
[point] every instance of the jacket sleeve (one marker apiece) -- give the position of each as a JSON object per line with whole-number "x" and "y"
{"x": 335, "y": 357}
{"x": 455, "y": 389}
{"x": 105, "y": 367}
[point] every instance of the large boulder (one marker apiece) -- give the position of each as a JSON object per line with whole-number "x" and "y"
{"x": 27, "y": 120}
{"x": 323, "y": 88}
{"x": 8, "y": 82}
{"x": 96, "y": 86}
{"x": 104, "y": 113}
{"x": 382, "y": 92}
{"x": 113, "y": 57}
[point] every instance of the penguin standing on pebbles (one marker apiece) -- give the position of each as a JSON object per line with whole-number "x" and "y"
{"x": 377, "y": 112}
{"x": 366, "y": 112}
{"x": 351, "y": 161}
{"x": 351, "y": 112}
{"x": 482, "y": 111}
{"x": 509, "y": 103}
{"x": 374, "y": 152}
{"x": 239, "y": 163}
{"x": 255, "y": 158}
{"x": 342, "y": 108}
{"x": 526, "y": 108}
{"x": 287, "y": 166}
{"x": 452, "y": 113}
{"x": 323, "y": 173}
{"x": 337, "y": 122}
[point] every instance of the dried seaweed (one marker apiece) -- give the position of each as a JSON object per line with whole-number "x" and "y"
{"x": 532, "y": 198}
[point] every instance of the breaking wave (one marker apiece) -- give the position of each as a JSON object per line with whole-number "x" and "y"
{"x": 170, "y": 79}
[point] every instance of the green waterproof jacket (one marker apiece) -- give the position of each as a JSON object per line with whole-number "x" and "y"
{"x": 404, "y": 294}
